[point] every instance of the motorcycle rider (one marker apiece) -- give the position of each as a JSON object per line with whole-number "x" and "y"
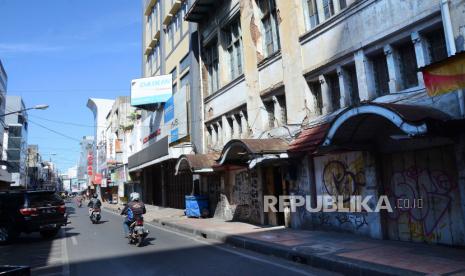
{"x": 134, "y": 208}
{"x": 79, "y": 201}
{"x": 94, "y": 203}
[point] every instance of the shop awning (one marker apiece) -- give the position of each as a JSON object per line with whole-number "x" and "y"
{"x": 196, "y": 163}
{"x": 252, "y": 151}
{"x": 363, "y": 124}
{"x": 149, "y": 156}
{"x": 357, "y": 127}
{"x": 309, "y": 139}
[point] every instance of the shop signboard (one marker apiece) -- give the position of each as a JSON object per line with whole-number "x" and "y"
{"x": 152, "y": 90}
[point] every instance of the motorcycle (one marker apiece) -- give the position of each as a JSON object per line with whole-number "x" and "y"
{"x": 95, "y": 215}
{"x": 79, "y": 202}
{"x": 137, "y": 232}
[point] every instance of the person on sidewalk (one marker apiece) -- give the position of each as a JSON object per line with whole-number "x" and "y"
{"x": 134, "y": 208}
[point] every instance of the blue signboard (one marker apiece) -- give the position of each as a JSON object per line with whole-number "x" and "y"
{"x": 174, "y": 135}
{"x": 169, "y": 110}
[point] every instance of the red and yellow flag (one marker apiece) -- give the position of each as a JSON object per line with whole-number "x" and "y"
{"x": 445, "y": 76}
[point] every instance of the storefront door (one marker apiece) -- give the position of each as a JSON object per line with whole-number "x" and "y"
{"x": 423, "y": 185}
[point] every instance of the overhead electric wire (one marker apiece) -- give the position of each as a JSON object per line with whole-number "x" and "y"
{"x": 61, "y": 122}
{"x": 54, "y": 131}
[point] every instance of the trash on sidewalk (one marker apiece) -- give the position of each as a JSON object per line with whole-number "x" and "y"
{"x": 197, "y": 206}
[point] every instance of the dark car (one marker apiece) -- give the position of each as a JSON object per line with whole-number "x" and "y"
{"x": 31, "y": 211}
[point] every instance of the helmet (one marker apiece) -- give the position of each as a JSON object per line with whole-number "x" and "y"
{"x": 95, "y": 195}
{"x": 134, "y": 197}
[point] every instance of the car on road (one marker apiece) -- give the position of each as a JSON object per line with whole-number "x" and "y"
{"x": 31, "y": 211}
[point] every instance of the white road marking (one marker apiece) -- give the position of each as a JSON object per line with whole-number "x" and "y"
{"x": 255, "y": 258}
{"x": 64, "y": 252}
{"x": 74, "y": 241}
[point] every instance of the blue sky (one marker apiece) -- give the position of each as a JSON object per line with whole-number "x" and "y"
{"x": 61, "y": 52}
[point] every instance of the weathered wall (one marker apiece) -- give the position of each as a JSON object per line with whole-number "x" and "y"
{"x": 355, "y": 29}
{"x": 241, "y": 197}
{"x": 344, "y": 174}
{"x": 301, "y": 186}
{"x": 348, "y": 174}
{"x": 219, "y": 104}
{"x": 457, "y": 10}
{"x": 432, "y": 176}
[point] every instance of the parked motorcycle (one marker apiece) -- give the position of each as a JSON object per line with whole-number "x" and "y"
{"x": 137, "y": 232}
{"x": 95, "y": 215}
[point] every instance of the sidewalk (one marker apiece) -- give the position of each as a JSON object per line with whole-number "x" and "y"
{"x": 345, "y": 253}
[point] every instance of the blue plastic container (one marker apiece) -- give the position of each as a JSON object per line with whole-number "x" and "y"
{"x": 195, "y": 204}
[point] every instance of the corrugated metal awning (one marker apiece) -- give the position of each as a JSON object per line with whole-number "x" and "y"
{"x": 196, "y": 163}
{"x": 362, "y": 124}
{"x": 309, "y": 139}
{"x": 241, "y": 151}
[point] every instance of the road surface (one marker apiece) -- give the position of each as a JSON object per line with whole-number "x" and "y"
{"x": 86, "y": 249}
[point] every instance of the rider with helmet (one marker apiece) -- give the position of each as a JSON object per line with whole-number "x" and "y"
{"x": 134, "y": 208}
{"x": 94, "y": 203}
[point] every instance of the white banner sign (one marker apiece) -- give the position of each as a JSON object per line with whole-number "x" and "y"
{"x": 151, "y": 90}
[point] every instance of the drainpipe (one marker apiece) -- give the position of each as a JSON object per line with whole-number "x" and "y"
{"x": 451, "y": 49}
{"x": 202, "y": 104}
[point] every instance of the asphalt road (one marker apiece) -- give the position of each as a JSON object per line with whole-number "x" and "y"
{"x": 87, "y": 249}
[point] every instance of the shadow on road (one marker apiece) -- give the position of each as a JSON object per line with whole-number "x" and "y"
{"x": 32, "y": 250}
{"x": 148, "y": 241}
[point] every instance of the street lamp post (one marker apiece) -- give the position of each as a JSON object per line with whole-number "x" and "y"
{"x": 39, "y": 107}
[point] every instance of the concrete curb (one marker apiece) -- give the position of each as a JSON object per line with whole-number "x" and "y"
{"x": 329, "y": 262}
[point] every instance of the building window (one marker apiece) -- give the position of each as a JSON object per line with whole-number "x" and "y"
{"x": 269, "y": 106}
{"x": 211, "y": 62}
{"x": 156, "y": 57}
{"x": 233, "y": 42}
{"x": 185, "y": 80}
{"x": 342, "y": 4}
{"x": 270, "y": 26}
{"x": 183, "y": 13}
{"x": 351, "y": 74}
{"x": 381, "y": 74}
{"x": 175, "y": 88}
{"x": 313, "y": 13}
{"x": 328, "y": 8}
{"x": 184, "y": 63}
{"x": 315, "y": 88}
{"x": 437, "y": 49}
{"x": 282, "y": 104}
{"x": 171, "y": 31}
{"x": 155, "y": 15}
{"x": 209, "y": 135}
{"x": 335, "y": 92}
{"x": 174, "y": 74}
{"x": 408, "y": 65}
{"x": 149, "y": 23}
{"x": 237, "y": 117}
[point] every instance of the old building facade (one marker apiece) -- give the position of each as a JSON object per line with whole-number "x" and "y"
{"x": 325, "y": 97}
{"x": 165, "y": 130}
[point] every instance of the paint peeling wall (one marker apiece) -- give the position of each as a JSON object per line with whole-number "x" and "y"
{"x": 354, "y": 28}
{"x": 301, "y": 219}
{"x": 241, "y": 198}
